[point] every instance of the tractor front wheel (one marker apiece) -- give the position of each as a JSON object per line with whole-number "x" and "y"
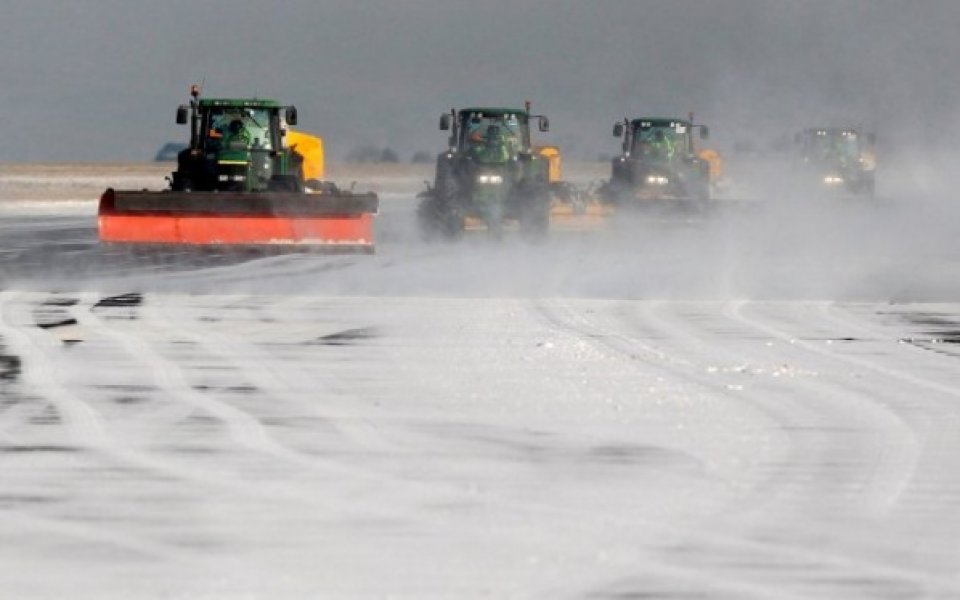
{"x": 180, "y": 183}
{"x": 535, "y": 216}
{"x": 439, "y": 212}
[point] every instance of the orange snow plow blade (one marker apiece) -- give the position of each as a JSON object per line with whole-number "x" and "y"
{"x": 342, "y": 221}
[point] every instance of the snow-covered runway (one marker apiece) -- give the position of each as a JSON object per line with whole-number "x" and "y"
{"x": 478, "y": 421}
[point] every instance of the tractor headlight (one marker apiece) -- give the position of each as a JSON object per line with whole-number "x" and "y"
{"x": 657, "y": 180}
{"x": 833, "y": 180}
{"x": 490, "y": 179}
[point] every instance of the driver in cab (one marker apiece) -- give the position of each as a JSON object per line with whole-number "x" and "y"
{"x": 490, "y": 148}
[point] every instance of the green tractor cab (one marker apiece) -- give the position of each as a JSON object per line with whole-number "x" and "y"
{"x": 488, "y": 176}
{"x": 838, "y": 160}
{"x": 658, "y": 162}
{"x": 236, "y": 145}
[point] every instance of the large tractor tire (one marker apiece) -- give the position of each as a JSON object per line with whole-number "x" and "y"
{"x": 181, "y": 183}
{"x": 439, "y": 212}
{"x": 535, "y": 215}
{"x": 614, "y": 192}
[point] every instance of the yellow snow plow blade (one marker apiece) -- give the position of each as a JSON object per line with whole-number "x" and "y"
{"x": 590, "y": 216}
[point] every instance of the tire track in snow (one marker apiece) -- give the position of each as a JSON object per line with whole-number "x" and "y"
{"x": 928, "y": 463}
{"x": 90, "y": 431}
{"x": 825, "y": 408}
{"x": 564, "y": 316}
{"x": 785, "y": 559}
{"x": 349, "y": 424}
{"x": 83, "y": 424}
{"x": 37, "y": 373}
{"x": 567, "y": 519}
{"x": 248, "y": 432}
{"x": 736, "y": 311}
{"x": 244, "y": 429}
{"x": 879, "y": 480}
{"x": 673, "y": 367}
{"x": 935, "y": 415}
{"x": 254, "y": 365}
{"x": 97, "y": 533}
{"x": 847, "y": 320}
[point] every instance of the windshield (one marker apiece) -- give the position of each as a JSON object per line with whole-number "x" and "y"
{"x": 660, "y": 141}
{"x": 502, "y": 133}
{"x": 841, "y": 146}
{"x": 239, "y": 128}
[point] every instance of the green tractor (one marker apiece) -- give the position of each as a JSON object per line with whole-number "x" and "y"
{"x": 839, "y": 160}
{"x": 244, "y": 179}
{"x": 490, "y": 175}
{"x": 658, "y": 164}
{"x": 236, "y": 145}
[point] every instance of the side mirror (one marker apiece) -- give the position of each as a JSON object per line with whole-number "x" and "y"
{"x": 704, "y": 132}
{"x": 544, "y": 124}
{"x": 291, "y": 115}
{"x": 618, "y": 129}
{"x": 444, "y": 122}
{"x": 181, "y": 115}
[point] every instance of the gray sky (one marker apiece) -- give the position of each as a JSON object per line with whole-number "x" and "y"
{"x": 100, "y": 79}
